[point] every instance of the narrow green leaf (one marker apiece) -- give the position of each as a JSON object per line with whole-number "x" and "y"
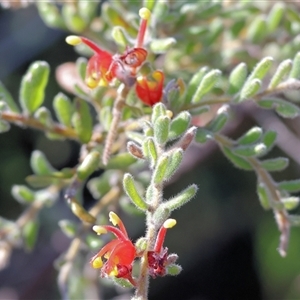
{"x": 32, "y": 91}
{"x": 237, "y": 78}
{"x": 194, "y": 83}
{"x": 269, "y": 139}
{"x": 179, "y": 125}
{"x": 89, "y": 165}
{"x": 23, "y": 194}
{"x": 63, "y": 109}
{"x": 173, "y": 269}
{"x": 290, "y": 203}
{"x": 8, "y": 99}
{"x": 220, "y": 120}
{"x": 68, "y": 227}
{"x": 257, "y": 29}
{"x": 291, "y": 186}
{"x": 81, "y": 64}
{"x": 275, "y": 164}
{"x": 203, "y": 135}
{"x": 82, "y": 121}
{"x": 158, "y": 110}
{"x": 160, "y": 169}
{"x": 44, "y": 116}
{"x": 161, "y": 129}
{"x": 99, "y": 186}
{"x": 252, "y": 150}
{"x": 182, "y": 198}
{"x": 73, "y": 19}
{"x": 287, "y": 109}
{"x": 251, "y": 136}
{"x": 50, "y": 14}
{"x": 40, "y": 164}
{"x": 88, "y": 10}
{"x": 295, "y": 72}
{"x": 132, "y": 192}
{"x": 250, "y": 89}
{"x": 120, "y": 161}
{"x": 207, "y": 83}
{"x": 162, "y": 45}
{"x": 81, "y": 213}
{"x": 151, "y": 146}
{"x": 174, "y": 162}
{"x": 282, "y": 71}
{"x": 238, "y": 161}
{"x": 262, "y": 68}
{"x": 275, "y": 16}
{"x": 263, "y": 196}
{"x": 120, "y": 36}
{"x": 30, "y": 233}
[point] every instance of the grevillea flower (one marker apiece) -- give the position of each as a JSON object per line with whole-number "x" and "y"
{"x": 158, "y": 259}
{"x": 119, "y": 253}
{"x": 150, "y": 91}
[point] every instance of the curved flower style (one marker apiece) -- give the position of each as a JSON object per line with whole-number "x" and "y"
{"x": 158, "y": 259}
{"x": 150, "y": 91}
{"x": 119, "y": 253}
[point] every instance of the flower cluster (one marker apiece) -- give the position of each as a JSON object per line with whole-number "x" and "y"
{"x": 120, "y": 253}
{"x": 103, "y": 67}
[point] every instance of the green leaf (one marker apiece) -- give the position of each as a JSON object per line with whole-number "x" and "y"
{"x": 182, "y": 198}
{"x": 261, "y": 69}
{"x": 81, "y": 213}
{"x": 290, "y": 203}
{"x": 99, "y": 186}
{"x": 132, "y": 192}
{"x": 69, "y": 228}
{"x": 32, "y": 91}
{"x": 40, "y": 164}
{"x": 282, "y": 71}
{"x": 220, "y": 120}
{"x": 72, "y": 18}
{"x": 43, "y": 115}
{"x": 50, "y": 14}
{"x": 250, "y": 89}
{"x": 158, "y": 110}
{"x": 63, "y": 109}
{"x": 8, "y": 99}
{"x": 287, "y": 109}
{"x": 251, "y": 136}
{"x": 89, "y": 165}
{"x": 179, "y": 125}
{"x": 174, "y": 162}
{"x": 257, "y": 29}
{"x": 30, "y": 233}
{"x": 87, "y": 10}
{"x": 160, "y": 169}
{"x": 237, "y": 78}
{"x": 23, "y": 194}
{"x": 207, "y": 83}
{"x": 193, "y": 84}
{"x": 173, "y": 269}
{"x": 162, "y": 45}
{"x": 252, "y": 150}
{"x": 295, "y": 72}
{"x": 275, "y": 164}
{"x": 291, "y": 186}
{"x": 238, "y": 161}
{"x": 203, "y": 135}
{"x": 275, "y": 16}
{"x": 82, "y": 121}
{"x": 150, "y": 151}
{"x": 120, "y": 36}
{"x": 120, "y": 161}
{"x": 161, "y": 129}
{"x": 269, "y": 139}
{"x": 263, "y": 196}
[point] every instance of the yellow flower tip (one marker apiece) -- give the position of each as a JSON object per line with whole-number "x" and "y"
{"x": 170, "y": 223}
{"x": 114, "y": 272}
{"x": 91, "y": 82}
{"x": 145, "y": 13}
{"x": 99, "y": 229}
{"x": 113, "y": 217}
{"x": 158, "y": 76}
{"x": 169, "y": 114}
{"x": 97, "y": 263}
{"x": 73, "y": 40}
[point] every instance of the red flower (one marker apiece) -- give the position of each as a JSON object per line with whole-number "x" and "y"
{"x": 119, "y": 253}
{"x": 150, "y": 91}
{"x": 158, "y": 259}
